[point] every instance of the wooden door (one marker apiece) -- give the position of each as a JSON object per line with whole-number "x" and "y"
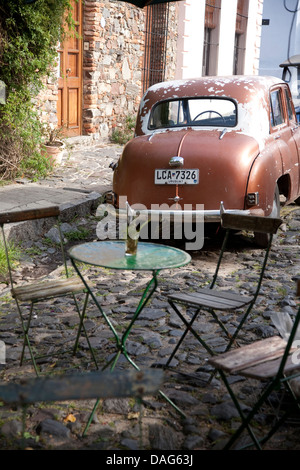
{"x": 69, "y": 103}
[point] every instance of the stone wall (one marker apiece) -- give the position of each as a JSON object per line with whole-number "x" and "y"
{"x": 113, "y": 43}
{"x": 113, "y": 52}
{"x": 112, "y": 64}
{"x": 46, "y": 102}
{"x": 113, "y": 35}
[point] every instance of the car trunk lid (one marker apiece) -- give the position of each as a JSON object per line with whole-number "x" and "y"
{"x": 186, "y": 167}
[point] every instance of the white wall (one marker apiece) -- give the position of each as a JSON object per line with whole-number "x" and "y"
{"x": 253, "y": 39}
{"x": 227, "y": 35}
{"x": 275, "y": 37}
{"x": 191, "y": 23}
{"x": 190, "y": 38}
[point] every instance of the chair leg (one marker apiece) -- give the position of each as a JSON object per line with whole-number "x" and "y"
{"x": 91, "y": 417}
{"x": 291, "y": 408}
{"x": 81, "y": 317}
{"x": 239, "y": 327}
{"x": 82, "y": 327}
{"x": 26, "y": 341}
{"x": 182, "y": 337}
{"x": 188, "y": 328}
{"x": 26, "y": 327}
{"x": 247, "y": 419}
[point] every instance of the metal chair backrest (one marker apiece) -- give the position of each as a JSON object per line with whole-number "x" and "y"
{"x": 33, "y": 292}
{"x": 290, "y": 341}
{"x": 26, "y": 215}
{"x": 236, "y": 222}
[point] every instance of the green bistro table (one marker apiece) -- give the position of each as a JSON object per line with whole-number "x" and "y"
{"x": 110, "y": 254}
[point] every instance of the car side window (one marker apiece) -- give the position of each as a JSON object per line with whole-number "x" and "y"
{"x": 167, "y": 114}
{"x": 277, "y": 115}
{"x": 289, "y": 105}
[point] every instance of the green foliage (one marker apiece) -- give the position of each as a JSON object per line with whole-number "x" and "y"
{"x": 29, "y": 37}
{"x": 122, "y": 136}
{"x": 76, "y": 235}
{"x": 20, "y": 138}
{"x": 14, "y": 255}
{"x": 29, "y": 34}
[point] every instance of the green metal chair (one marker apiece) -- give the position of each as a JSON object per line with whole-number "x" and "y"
{"x": 34, "y": 292}
{"x": 215, "y": 300}
{"x": 274, "y": 361}
{"x": 82, "y": 386}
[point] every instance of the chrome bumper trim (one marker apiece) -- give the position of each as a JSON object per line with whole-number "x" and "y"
{"x": 208, "y": 216}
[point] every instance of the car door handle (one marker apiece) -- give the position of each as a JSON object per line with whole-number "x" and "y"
{"x": 294, "y": 129}
{"x": 277, "y": 137}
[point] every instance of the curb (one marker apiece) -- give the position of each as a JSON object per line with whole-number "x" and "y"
{"x": 35, "y": 229}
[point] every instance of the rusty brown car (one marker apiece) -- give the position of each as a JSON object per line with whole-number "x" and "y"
{"x": 212, "y": 144}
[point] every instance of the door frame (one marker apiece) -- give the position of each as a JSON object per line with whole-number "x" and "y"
{"x": 61, "y": 80}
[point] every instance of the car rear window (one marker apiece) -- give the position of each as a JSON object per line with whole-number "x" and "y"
{"x": 211, "y": 112}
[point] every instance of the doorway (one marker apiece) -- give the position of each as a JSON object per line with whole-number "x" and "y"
{"x": 69, "y": 104}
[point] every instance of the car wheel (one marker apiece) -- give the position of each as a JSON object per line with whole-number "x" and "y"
{"x": 262, "y": 239}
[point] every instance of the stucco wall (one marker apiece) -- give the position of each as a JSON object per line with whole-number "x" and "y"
{"x": 191, "y": 36}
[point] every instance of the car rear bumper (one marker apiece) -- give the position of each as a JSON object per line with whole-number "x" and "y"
{"x": 207, "y": 216}
{"x": 184, "y": 215}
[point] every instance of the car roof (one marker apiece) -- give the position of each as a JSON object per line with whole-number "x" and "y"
{"x": 236, "y": 86}
{"x": 251, "y": 92}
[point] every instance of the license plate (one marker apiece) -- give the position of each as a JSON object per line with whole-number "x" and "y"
{"x": 174, "y": 176}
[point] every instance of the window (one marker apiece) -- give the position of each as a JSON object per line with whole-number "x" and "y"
{"x": 211, "y": 37}
{"x": 211, "y": 112}
{"x": 240, "y": 37}
{"x": 156, "y": 32}
{"x": 277, "y": 115}
{"x": 289, "y": 105}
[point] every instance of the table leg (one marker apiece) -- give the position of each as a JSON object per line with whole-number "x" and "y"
{"x": 147, "y": 294}
{"x": 97, "y": 303}
{"x": 120, "y": 343}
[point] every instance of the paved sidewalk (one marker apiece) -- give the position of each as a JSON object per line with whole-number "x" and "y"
{"x": 76, "y": 185}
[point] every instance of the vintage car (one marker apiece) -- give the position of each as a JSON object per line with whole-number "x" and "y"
{"x": 212, "y": 144}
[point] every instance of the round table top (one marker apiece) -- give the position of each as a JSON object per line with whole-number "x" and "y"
{"x": 111, "y": 254}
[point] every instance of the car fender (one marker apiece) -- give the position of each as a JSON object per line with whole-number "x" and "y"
{"x": 264, "y": 174}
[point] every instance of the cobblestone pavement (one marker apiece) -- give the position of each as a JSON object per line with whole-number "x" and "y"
{"x": 86, "y": 167}
{"x": 121, "y": 424}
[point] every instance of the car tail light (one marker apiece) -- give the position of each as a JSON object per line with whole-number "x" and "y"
{"x": 110, "y": 198}
{"x": 252, "y": 199}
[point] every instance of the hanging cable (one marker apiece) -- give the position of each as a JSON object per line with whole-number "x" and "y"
{"x": 291, "y": 11}
{"x": 295, "y": 11}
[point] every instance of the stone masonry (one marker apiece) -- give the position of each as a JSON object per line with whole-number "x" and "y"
{"x": 113, "y": 36}
{"x": 112, "y": 64}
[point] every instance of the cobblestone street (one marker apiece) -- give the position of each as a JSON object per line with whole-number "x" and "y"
{"x": 121, "y": 424}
